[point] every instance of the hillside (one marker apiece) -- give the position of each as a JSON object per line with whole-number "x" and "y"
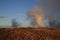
{"x": 29, "y": 34}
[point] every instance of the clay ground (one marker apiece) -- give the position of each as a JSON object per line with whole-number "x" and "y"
{"x": 29, "y": 34}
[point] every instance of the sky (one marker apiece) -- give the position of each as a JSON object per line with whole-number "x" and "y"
{"x": 15, "y": 9}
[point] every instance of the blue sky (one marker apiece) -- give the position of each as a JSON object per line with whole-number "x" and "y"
{"x": 15, "y": 9}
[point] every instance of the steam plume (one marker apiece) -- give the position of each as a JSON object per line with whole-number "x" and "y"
{"x": 37, "y": 15}
{"x": 52, "y": 5}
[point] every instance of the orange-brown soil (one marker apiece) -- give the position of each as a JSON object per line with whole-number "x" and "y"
{"x": 29, "y": 34}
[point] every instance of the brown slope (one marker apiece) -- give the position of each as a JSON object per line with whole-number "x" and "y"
{"x": 29, "y": 34}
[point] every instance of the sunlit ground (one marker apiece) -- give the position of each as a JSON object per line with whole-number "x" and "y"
{"x": 29, "y": 34}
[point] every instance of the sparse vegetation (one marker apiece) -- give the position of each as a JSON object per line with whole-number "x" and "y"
{"x": 29, "y": 34}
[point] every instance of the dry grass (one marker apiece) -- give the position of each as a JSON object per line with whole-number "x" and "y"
{"x": 29, "y": 34}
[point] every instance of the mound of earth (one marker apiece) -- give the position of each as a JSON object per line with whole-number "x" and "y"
{"x": 29, "y": 34}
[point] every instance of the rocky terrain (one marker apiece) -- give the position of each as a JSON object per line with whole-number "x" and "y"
{"x": 29, "y": 34}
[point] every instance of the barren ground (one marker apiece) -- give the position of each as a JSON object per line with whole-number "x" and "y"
{"x": 29, "y": 34}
